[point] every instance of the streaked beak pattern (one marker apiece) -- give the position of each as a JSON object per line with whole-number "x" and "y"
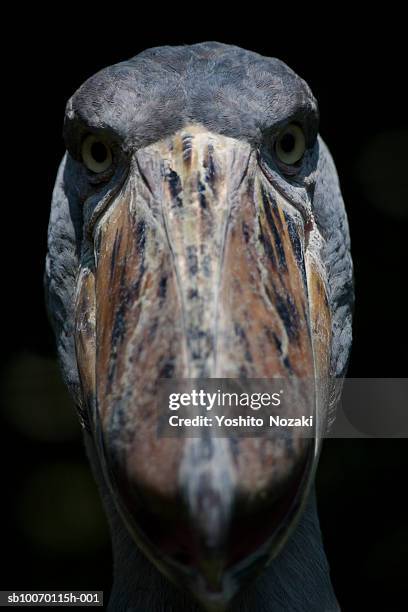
{"x": 202, "y": 270}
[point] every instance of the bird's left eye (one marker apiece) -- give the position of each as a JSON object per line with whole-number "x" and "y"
{"x": 96, "y": 154}
{"x": 290, "y": 144}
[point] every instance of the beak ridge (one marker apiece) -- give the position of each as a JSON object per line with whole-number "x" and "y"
{"x": 201, "y": 272}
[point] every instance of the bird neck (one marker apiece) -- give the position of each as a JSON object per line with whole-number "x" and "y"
{"x": 298, "y": 579}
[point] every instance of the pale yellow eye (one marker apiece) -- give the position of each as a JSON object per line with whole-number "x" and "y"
{"x": 290, "y": 144}
{"x": 96, "y": 154}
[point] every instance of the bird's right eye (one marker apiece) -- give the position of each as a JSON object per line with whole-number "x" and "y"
{"x": 96, "y": 154}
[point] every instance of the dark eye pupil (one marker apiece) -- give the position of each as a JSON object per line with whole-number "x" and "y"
{"x": 287, "y": 142}
{"x": 99, "y": 152}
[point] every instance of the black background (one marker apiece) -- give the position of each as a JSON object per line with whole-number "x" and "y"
{"x": 54, "y": 535}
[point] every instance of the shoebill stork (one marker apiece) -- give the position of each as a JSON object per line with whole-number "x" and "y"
{"x": 197, "y": 230}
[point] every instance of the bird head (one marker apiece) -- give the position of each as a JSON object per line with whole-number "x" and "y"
{"x": 197, "y": 231}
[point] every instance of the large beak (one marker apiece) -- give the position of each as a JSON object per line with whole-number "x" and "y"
{"x": 202, "y": 270}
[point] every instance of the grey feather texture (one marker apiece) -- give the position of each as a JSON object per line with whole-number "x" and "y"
{"x": 331, "y": 218}
{"x": 60, "y": 275}
{"x": 227, "y": 89}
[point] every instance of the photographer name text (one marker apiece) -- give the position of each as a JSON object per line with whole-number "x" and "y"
{"x": 207, "y": 402}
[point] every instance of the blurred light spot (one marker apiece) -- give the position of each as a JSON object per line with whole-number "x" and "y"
{"x": 35, "y": 400}
{"x": 382, "y": 172}
{"x": 60, "y": 510}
